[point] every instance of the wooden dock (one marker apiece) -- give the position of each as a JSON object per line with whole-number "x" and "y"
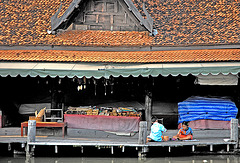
{"x": 207, "y": 138}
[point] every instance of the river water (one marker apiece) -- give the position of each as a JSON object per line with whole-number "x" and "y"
{"x": 190, "y": 159}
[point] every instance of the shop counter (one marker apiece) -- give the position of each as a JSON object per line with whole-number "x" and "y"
{"x": 101, "y": 122}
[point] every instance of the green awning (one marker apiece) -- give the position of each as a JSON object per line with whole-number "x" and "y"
{"x": 98, "y": 70}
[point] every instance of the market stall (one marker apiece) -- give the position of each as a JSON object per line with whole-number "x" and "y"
{"x": 103, "y": 118}
{"x": 207, "y": 113}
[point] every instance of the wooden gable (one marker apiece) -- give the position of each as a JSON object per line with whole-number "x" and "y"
{"x": 110, "y": 15}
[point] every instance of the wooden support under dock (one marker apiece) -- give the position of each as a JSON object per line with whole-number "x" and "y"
{"x": 209, "y": 138}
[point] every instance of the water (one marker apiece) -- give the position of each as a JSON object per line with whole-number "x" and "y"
{"x": 191, "y": 159}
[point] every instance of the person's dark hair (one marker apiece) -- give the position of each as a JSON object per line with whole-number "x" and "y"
{"x": 185, "y": 123}
{"x": 154, "y": 119}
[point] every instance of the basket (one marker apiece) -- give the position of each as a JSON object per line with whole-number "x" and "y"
{"x": 38, "y": 119}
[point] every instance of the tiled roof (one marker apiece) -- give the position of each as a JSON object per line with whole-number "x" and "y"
{"x": 194, "y": 22}
{"x": 179, "y": 22}
{"x": 104, "y": 38}
{"x": 122, "y": 56}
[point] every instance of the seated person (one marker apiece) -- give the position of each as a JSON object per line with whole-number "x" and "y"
{"x": 157, "y": 130}
{"x": 185, "y": 132}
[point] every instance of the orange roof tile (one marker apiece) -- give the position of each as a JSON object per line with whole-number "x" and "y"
{"x": 121, "y": 56}
{"x": 104, "y": 38}
{"x": 179, "y": 22}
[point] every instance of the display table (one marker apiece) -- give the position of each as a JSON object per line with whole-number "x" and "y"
{"x": 209, "y": 124}
{"x": 101, "y": 122}
{"x": 45, "y": 124}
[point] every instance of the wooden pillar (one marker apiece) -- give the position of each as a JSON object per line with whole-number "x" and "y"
{"x": 1, "y": 119}
{"x": 142, "y": 138}
{"x": 234, "y": 131}
{"x": 148, "y": 109}
{"x": 211, "y": 148}
{"x": 193, "y": 148}
{"x": 54, "y": 99}
{"x": 142, "y": 153}
{"x": 31, "y": 137}
{"x": 56, "y": 149}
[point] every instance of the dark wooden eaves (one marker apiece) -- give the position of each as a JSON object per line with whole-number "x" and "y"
{"x": 56, "y": 22}
{"x": 147, "y": 23}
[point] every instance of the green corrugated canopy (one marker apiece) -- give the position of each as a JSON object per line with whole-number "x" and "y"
{"x": 98, "y": 70}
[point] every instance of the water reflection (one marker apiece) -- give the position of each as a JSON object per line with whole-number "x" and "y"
{"x": 192, "y": 159}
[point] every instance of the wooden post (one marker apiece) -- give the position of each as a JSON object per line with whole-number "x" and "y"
{"x": 142, "y": 153}
{"x": 31, "y": 137}
{"x": 1, "y": 119}
{"x": 31, "y": 131}
{"x": 54, "y": 99}
{"x": 148, "y": 109}
{"x": 112, "y": 150}
{"x": 142, "y": 132}
{"x": 234, "y": 131}
{"x": 81, "y": 149}
{"x": 123, "y": 148}
{"x": 56, "y": 149}
{"x": 211, "y": 148}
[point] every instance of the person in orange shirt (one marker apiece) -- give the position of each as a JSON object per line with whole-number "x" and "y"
{"x": 185, "y": 132}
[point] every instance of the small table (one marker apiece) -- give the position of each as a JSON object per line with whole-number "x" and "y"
{"x": 45, "y": 124}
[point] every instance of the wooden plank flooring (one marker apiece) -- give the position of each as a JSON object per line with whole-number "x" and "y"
{"x": 203, "y": 137}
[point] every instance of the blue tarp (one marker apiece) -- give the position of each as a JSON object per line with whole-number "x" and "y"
{"x": 197, "y": 108}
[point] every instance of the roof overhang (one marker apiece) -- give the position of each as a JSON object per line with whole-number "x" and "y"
{"x": 98, "y": 70}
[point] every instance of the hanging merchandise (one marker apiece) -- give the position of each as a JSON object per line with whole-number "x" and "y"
{"x": 81, "y": 84}
{"x": 105, "y": 86}
{"x": 79, "y": 81}
{"x": 74, "y": 78}
{"x": 112, "y": 84}
{"x": 84, "y": 82}
{"x": 79, "y": 88}
{"x": 95, "y": 86}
